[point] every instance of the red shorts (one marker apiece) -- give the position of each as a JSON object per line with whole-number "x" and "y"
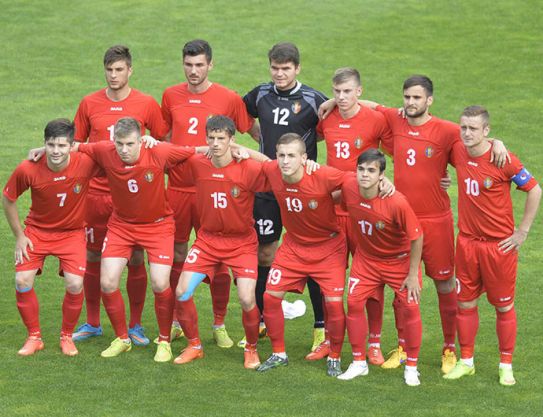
{"x": 438, "y": 246}
{"x": 68, "y": 246}
{"x": 480, "y": 267}
{"x": 209, "y": 251}
{"x": 99, "y": 209}
{"x": 324, "y": 262}
{"x": 185, "y": 214}
{"x": 369, "y": 274}
{"x": 156, "y": 238}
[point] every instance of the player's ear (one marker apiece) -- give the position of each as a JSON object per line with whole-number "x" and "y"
{"x": 486, "y": 130}
{"x": 211, "y": 64}
{"x": 298, "y": 69}
{"x": 430, "y": 100}
{"x": 130, "y": 71}
{"x": 359, "y": 90}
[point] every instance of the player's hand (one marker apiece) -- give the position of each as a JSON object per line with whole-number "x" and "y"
{"x": 386, "y": 188}
{"x": 498, "y": 154}
{"x": 311, "y": 166}
{"x": 239, "y": 153}
{"x": 514, "y": 241}
{"x": 446, "y": 181}
{"x": 413, "y": 288}
{"x": 35, "y": 154}
{"x": 401, "y": 112}
{"x": 21, "y": 249}
{"x": 326, "y": 108}
{"x": 149, "y": 141}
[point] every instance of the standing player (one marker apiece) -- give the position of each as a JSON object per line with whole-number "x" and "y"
{"x": 225, "y": 197}
{"x": 141, "y": 217}
{"x": 312, "y": 246}
{"x": 488, "y": 241}
{"x": 186, "y": 108}
{"x": 349, "y": 130}
{"x": 94, "y": 122}
{"x": 284, "y": 105}
{"x": 55, "y": 226}
{"x": 388, "y": 251}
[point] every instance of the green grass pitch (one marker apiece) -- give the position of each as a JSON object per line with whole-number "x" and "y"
{"x": 484, "y": 52}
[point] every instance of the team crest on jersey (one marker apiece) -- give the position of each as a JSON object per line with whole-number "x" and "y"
{"x": 380, "y": 225}
{"x": 313, "y": 204}
{"x": 149, "y": 176}
{"x": 429, "y": 152}
{"x": 358, "y": 143}
{"x": 296, "y": 107}
{"x": 234, "y": 192}
{"x": 487, "y": 182}
{"x": 77, "y": 188}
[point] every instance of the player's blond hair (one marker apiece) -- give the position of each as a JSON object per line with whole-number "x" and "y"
{"x": 342, "y": 75}
{"x": 289, "y": 138}
{"x": 125, "y": 127}
{"x": 474, "y": 111}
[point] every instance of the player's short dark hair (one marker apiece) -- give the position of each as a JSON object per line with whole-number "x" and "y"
{"x": 342, "y": 75}
{"x": 58, "y": 128}
{"x": 118, "y": 53}
{"x": 474, "y": 111}
{"x": 125, "y": 127}
{"x": 198, "y": 47}
{"x": 289, "y": 138}
{"x": 372, "y": 155}
{"x": 284, "y": 52}
{"x": 422, "y": 81}
{"x": 221, "y": 123}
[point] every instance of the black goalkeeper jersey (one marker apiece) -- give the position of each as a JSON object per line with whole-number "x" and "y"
{"x": 280, "y": 112}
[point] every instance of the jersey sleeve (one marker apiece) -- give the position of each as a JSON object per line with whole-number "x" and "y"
{"x": 385, "y": 135}
{"x": 260, "y": 182}
{"x": 82, "y": 122}
{"x": 407, "y": 220}
{"x": 250, "y": 102}
{"x": 165, "y": 108}
{"x": 17, "y": 183}
{"x": 155, "y": 121}
{"x": 174, "y": 154}
{"x": 334, "y": 177}
{"x": 243, "y": 120}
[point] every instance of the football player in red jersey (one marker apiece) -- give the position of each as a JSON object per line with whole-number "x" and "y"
{"x": 488, "y": 241}
{"x": 55, "y": 226}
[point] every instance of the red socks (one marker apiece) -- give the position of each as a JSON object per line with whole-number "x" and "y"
{"x": 188, "y": 318}
{"x": 114, "y": 305}
{"x": 357, "y": 329}
{"x": 447, "y": 311}
{"x": 251, "y": 320}
{"x": 220, "y": 294}
{"x": 374, "y": 308}
{"x": 413, "y": 332}
{"x": 506, "y": 328}
{"x": 467, "y": 322}
{"x": 29, "y": 309}
{"x": 275, "y": 322}
{"x": 398, "y": 319}
{"x": 71, "y": 310}
{"x": 175, "y": 274}
{"x": 136, "y": 287}
{"x": 91, "y": 284}
{"x": 164, "y": 302}
{"x": 336, "y": 327}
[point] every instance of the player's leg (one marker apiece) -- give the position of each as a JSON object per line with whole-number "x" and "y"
{"x": 275, "y": 324}
{"x": 250, "y": 315}
{"x": 219, "y": 287}
{"x": 336, "y": 329}
{"x": 317, "y": 302}
{"x": 136, "y": 288}
{"x": 397, "y": 357}
{"x": 28, "y": 306}
{"x": 71, "y": 310}
{"x": 164, "y": 305}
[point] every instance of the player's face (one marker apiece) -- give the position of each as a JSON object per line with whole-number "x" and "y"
{"x": 368, "y": 175}
{"x": 129, "y": 147}
{"x": 291, "y": 159}
{"x": 473, "y": 131}
{"x": 196, "y": 69}
{"x": 218, "y": 142}
{"x": 117, "y": 75}
{"x": 57, "y": 151}
{"x": 347, "y": 94}
{"x": 284, "y": 74}
{"x": 416, "y": 101}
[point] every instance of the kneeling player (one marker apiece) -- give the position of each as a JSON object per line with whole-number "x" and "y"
{"x": 488, "y": 242}
{"x": 54, "y": 226}
{"x": 313, "y": 246}
{"x": 388, "y": 252}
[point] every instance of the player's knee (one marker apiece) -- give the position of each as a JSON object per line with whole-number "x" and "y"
{"x": 247, "y": 300}
{"x": 505, "y": 309}
{"x": 464, "y": 305}
{"x": 184, "y": 296}
{"x": 22, "y": 286}
{"x": 108, "y": 285}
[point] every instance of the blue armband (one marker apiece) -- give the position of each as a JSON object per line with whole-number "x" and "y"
{"x": 195, "y": 279}
{"x": 22, "y": 289}
{"x": 522, "y": 177}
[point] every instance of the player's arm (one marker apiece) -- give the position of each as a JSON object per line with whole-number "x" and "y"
{"x": 254, "y": 131}
{"x": 22, "y": 242}
{"x": 412, "y": 280}
{"x": 521, "y": 232}
{"x": 386, "y": 188}
{"x": 326, "y": 108}
{"x": 241, "y": 152}
{"x": 499, "y": 154}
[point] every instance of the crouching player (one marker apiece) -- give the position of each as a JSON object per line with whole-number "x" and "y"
{"x": 54, "y": 226}
{"x": 488, "y": 242}
{"x": 313, "y": 246}
{"x": 388, "y": 252}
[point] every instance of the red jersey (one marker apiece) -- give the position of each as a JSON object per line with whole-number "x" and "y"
{"x": 384, "y": 227}
{"x": 421, "y": 154}
{"x": 186, "y": 113}
{"x": 346, "y": 139}
{"x": 307, "y": 208}
{"x": 485, "y": 209}
{"x": 225, "y": 196}
{"x": 138, "y": 191}
{"x": 97, "y": 115}
{"x": 58, "y": 198}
